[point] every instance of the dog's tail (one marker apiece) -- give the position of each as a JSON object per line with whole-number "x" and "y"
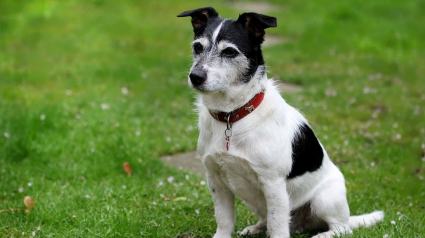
{"x": 366, "y": 220}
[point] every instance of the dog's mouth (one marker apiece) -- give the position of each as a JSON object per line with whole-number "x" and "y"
{"x": 200, "y": 88}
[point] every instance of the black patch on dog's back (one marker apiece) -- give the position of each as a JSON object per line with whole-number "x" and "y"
{"x": 307, "y": 154}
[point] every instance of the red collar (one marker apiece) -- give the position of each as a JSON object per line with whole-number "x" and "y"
{"x": 241, "y": 112}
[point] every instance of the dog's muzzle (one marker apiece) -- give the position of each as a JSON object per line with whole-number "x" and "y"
{"x": 197, "y": 77}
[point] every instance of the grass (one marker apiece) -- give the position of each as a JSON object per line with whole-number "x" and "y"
{"x": 67, "y": 123}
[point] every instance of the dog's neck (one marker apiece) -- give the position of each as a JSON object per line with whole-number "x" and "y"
{"x": 236, "y": 97}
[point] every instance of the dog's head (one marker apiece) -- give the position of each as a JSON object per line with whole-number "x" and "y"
{"x": 226, "y": 52}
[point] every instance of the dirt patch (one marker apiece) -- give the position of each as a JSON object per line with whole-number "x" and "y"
{"x": 260, "y": 7}
{"x": 190, "y": 161}
{"x": 287, "y": 87}
{"x": 270, "y": 40}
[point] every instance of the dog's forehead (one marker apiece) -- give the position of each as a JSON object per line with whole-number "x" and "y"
{"x": 228, "y": 30}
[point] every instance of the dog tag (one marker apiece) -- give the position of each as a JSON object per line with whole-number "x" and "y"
{"x": 227, "y": 143}
{"x": 228, "y": 132}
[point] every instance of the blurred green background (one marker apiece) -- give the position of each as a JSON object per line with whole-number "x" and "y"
{"x": 88, "y": 85}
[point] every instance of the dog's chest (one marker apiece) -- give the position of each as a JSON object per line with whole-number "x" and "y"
{"x": 236, "y": 173}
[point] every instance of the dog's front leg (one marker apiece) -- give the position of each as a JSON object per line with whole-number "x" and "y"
{"x": 224, "y": 202}
{"x": 278, "y": 211}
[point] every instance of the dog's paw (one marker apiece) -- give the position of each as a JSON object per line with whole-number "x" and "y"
{"x": 223, "y": 234}
{"x": 251, "y": 230}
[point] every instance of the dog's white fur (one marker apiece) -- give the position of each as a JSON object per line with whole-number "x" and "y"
{"x": 260, "y": 158}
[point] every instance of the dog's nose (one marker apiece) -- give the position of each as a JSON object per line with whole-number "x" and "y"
{"x": 197, "y": 77}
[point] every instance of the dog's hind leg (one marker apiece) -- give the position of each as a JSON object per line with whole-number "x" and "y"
{"x": 330, "y": 205}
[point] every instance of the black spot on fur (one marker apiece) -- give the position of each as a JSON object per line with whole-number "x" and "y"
{"x": 307, "y": 154}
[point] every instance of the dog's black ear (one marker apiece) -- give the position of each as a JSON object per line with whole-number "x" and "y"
{"x": 255, "y": 24}
{"x": 200, "y": 18}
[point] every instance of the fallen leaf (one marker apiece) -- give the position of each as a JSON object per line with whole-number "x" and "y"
{"x": 165, "y": 197}
{"x": 179, "y": 199}
{"x": 127, "y": 168}
{"x": 29, "y": 203}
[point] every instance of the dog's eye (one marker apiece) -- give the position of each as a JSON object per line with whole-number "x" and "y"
{"x": 229, "y": 52}
{"x": 198, "y": 48}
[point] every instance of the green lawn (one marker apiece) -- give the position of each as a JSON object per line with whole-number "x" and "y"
{"x": 88, "y": 85}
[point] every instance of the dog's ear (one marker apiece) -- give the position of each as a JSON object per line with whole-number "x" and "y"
{"x": 200, "y": 18}
{"x": 255, "y": 24}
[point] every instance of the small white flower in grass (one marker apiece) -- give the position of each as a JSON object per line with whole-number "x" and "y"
{"x": 400, "y": 217}
{"x": 68, "y": 92}
{"x": 6, "y": 134}
{"x": 87, "y": 196}
{"x": 397, "y": 136}
{"x": 393, "y": 222}
{"x": 38, "y": 228}
{"x": 124, "y": 90}
{"x": 29, "y": 184}
{"x": 137, "y": 133}
{"x": 410, "y": 204}
{"x": 398, "y": 213}
{"x": 423, "y": 146}
{"x": 42, "y": 117}
{"x": 366, "y": 90}
{"x": 372, "y": 164}
{"x": 160, "y": 184}
{"x": 170, "y": 179}
{"x": 154, "y": 203}
{"x": 202, "y": 182}
{"x": 21, "y": 189}
{"x": 385, "y": 236}
{"x": 74, "y": 216}
{"x": 23, "y": 233}
{"x": 330, "y": 93}
{"x": 123, "y": 187}
{"x": 33, "y": 233}
{"x": 187, "y": 177}
{"x": 92, "y": 150}
{"x": 104, "y": 106}
{"x": 197, "y": 211}
{"x": 168, "y": 139}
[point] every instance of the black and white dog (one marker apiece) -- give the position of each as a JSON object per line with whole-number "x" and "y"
{"x": 253, "y": 144}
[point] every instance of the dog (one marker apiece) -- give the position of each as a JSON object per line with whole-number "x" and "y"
{"x": 253, "y": 144}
